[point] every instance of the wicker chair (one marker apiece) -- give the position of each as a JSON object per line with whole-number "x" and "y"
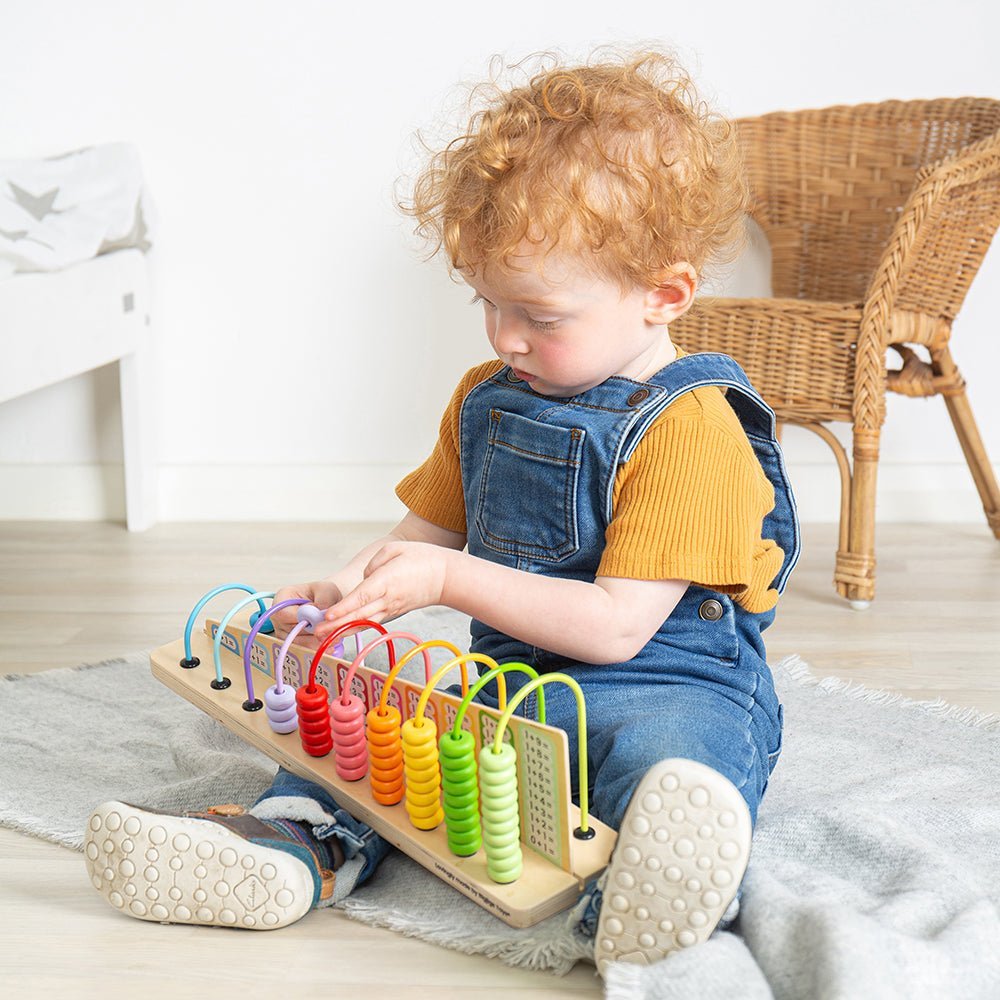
{"x": 878, "y": 217}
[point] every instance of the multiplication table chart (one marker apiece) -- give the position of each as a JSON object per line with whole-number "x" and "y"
{"x": 542, "y": 794}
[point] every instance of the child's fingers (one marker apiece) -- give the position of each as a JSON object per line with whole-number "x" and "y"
{"x": 320, "y": 593}
{"x": 324, "y": 594}
{"x": 374, "y": 611}
{"x": 328, "y": 628}
{"x": 286, "y": 618}
{"x": 360, "y": 603}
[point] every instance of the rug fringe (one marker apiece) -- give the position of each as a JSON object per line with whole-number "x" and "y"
{"x": 557, "y": 955}
{"x": 34, "y": 828}
{"x": 796, "y": 669}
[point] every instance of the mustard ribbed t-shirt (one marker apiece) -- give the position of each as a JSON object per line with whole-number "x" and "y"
{"x": 688, "y": 504}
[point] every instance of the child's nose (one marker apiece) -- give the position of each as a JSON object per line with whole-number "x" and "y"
{"x": 508, "y": 336}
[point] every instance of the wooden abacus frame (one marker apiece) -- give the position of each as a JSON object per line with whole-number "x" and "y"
{"x": 542, "y": 889}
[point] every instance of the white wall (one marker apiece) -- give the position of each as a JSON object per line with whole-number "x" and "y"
{"x": 304, "y": 353}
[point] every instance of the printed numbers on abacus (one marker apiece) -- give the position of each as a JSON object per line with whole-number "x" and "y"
{"x": 378, "y": 683}
{"x": 537, "y": 775}
{"x": 324, "y": 676}
{"x": 260, "y": 658}
{"x": 488, "y": 729}
{"x": 412, "y": 697}
{"x": 451, "y": 713}
{"x": 358, "y": 688}
{"x": 229, "y": 641}
{"x": 430, "y": 711}
{"x": 292, "y": 670}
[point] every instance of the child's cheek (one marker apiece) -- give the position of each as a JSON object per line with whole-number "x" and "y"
{"x": 558, "y": 353}
{"x": 568, "y": 361}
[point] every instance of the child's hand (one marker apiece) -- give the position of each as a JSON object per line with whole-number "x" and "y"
{"x": 322, "y": 593}
{"x": 401, "y": 577}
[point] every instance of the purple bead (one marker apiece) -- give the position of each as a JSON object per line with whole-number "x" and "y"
{"x": 280, "y": 709}
{"x": 311, "y": 614}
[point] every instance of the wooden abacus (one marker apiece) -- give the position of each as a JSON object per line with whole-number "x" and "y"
{"x": 337, "y": 721}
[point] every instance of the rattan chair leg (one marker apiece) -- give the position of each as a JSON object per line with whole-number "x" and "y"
{"x": 854, "y": 576}
{"x": 969, "y": 438}
{"x": 844, "y": 467}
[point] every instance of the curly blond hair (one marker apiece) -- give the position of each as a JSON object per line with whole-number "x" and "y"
{"x": 616, "y": 161}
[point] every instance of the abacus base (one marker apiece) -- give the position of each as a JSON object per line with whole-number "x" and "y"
{"x": 542, "y": 889}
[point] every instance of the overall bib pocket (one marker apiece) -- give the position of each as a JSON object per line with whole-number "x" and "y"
{"x": 528, "y": 491}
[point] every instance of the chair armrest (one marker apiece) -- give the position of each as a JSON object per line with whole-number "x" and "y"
{"x": 929, "y": 241}
{"x": 979, "y": 163}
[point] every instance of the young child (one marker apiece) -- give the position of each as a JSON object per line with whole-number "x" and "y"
{"x": 598, "y": 502}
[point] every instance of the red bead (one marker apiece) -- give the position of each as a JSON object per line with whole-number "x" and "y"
{"x": 312, "y": 705}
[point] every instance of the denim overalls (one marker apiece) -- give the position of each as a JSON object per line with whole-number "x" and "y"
{"x": 538, "y": 475}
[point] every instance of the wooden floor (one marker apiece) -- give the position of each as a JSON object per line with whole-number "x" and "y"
{"x": 74, "y": 593}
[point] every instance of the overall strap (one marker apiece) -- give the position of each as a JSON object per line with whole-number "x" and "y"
{"x": 695, "y": 371}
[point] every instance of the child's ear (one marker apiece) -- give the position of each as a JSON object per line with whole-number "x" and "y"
{"x": 673, "y": 294}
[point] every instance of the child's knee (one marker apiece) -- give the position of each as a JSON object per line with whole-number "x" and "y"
{"x": 633, "y": 752}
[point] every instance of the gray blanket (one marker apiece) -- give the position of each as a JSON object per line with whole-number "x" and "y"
{"x": 875, "y": 869}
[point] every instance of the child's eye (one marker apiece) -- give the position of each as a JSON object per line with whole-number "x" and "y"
{"x": 535, "y": 324}
{"x": 539, "y": 325}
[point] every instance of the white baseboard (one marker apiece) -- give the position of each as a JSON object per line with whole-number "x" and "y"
{"x": 62, "y": 492}
{"x": 937, "y": 493}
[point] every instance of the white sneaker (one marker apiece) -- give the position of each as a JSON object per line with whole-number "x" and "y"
{"x": 682, "y": 850}
{"x": 187, "y": 870}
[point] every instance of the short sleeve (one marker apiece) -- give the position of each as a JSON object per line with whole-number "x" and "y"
{"x": 690, "y": 502}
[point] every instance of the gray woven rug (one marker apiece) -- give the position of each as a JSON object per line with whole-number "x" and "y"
{"x": 875, "y": 870}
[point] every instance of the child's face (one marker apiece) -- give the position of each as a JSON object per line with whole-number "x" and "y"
{"x": 563, "y": 330}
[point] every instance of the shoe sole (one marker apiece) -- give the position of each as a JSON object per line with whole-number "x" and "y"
{"x": 181, "y": 870}
{"x": 681, "y": 854}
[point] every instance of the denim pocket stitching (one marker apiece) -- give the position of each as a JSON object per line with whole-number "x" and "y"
{"x": 570, "y": 469}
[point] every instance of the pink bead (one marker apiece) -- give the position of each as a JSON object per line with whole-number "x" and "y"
{"x": 348, "y": 725}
